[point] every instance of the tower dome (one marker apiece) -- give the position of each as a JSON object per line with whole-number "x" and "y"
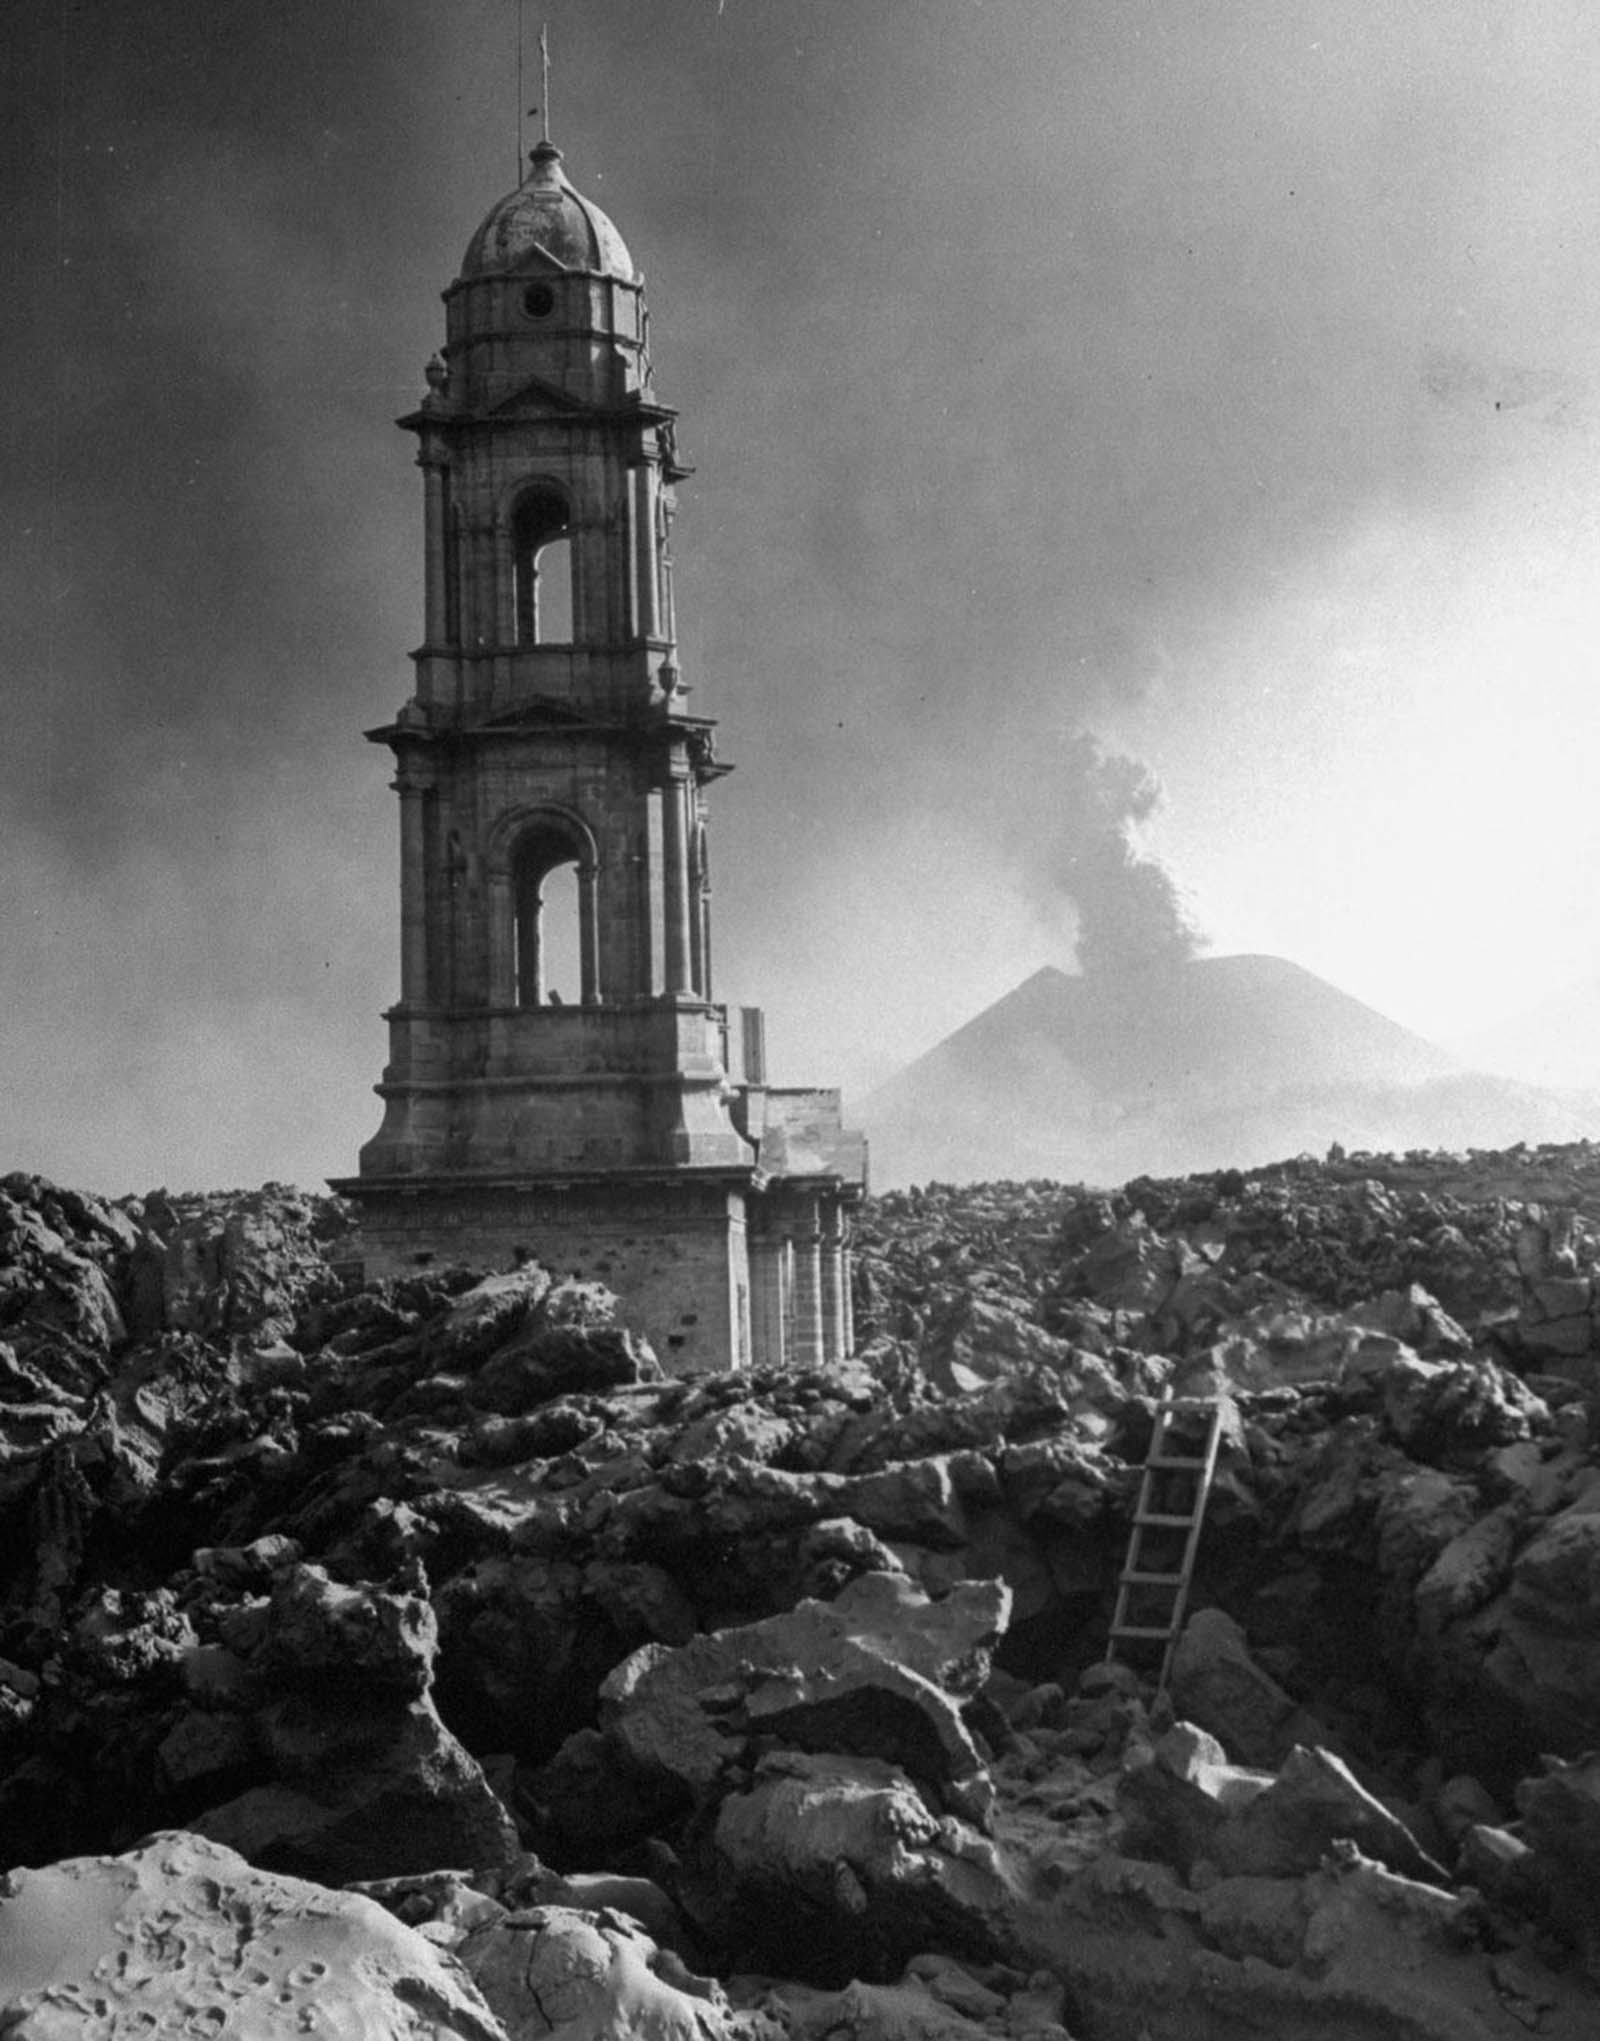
{"x": 545, "y": 221}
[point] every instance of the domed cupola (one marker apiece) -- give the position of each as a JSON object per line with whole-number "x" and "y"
{"x": 547, "y": 290}
{"x": 545, "y": 221}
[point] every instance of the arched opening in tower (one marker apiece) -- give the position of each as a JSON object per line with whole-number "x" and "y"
{"x": 560, "y": 942}
{"x": 549, "y": 934}
{"x": 542, "y": 569}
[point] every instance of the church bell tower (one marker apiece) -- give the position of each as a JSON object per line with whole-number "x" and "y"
{"x": 561, "y": 1082}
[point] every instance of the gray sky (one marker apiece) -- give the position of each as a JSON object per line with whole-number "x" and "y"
{"x": 1216, "y": 381}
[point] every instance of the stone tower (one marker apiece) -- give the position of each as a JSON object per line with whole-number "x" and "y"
{"x": 552, "y": 786}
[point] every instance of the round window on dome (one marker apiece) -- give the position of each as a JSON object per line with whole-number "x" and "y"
{"x": 538, "y": 301}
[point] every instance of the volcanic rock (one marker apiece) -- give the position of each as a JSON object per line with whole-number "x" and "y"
{"x": 816, "y": 1733}
{"x": 528, "y": 1640}
{"x": 1186, "y": 1805}
{"x": 59, "y": 1251}
{"x": 1561, "y": 1826}
{"x": 1176, "y": 1796}
{"x": 321, "y": 1634}
{"x": 1313, "y": 1803}
{"x": 182, "y": 1935}
{"x": 1543, "y": 1649}
{"x": 937, "y": 1999}
{"x": 1350, "y": 1950}
{"x": 366, "y": 1781}
{"x": 880, "y": 1672}
{"x": 1218, "y": 1685}
{"x": 243, "y": 1266}
{"x": 831, "y": 1867}
{"x": 592, "y": 1976}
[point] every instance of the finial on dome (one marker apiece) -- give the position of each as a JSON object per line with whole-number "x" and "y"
{"x": 544, "y": 155}
{"x": 544, "y": 96}
{"x": 541, "y": 154}
{"x": 543, "y": 159}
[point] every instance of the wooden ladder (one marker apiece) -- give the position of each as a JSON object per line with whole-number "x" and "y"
{"x": 1153, "y": 1589}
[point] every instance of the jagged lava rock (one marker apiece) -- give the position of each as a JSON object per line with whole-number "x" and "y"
{"x": 366, "y": 1780}
{"x": 320, "y": 1632}
{"x": 231, "y": 1265}
{"x": 1398, "y": 1523}
{"x": 1313, "y": 1803}
{"x": 1218, "y": 1685}
{"x": 59, "y": 1256}
{"x": 1561, "y": 1826}
{"x": 1176, "y": 1795}
{"x": 1349, "y": 1953}
{"x": 1540, "y": 1647}
{"x": 592, "y": 1976}
{"x": 1187, "y": 1805}
{"x": 183, "y": 1936}
{"x": 881, "y": 1671}
{"x": 937, "y": 1999}
{"x": 831, "y": 1867}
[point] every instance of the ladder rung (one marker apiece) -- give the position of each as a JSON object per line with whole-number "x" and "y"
{"x": 1163, "y": 1465}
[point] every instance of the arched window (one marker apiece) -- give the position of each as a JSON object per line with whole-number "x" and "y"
{"x": 549, "y": 905}
{"x": 541, "y": 550}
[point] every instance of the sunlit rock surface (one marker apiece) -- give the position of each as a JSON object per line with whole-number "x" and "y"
{"x": 182, "y": 1936}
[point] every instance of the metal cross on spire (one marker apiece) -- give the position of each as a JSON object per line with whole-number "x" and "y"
{"x": 543, "y": 107}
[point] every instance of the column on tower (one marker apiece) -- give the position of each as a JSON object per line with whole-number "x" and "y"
{"x": 669, "y": 607}
{"x": 413, "y": 794}
{"x": 699, "y": 931}
{"x": 676, "y": 952}
{"x": 501, "y": 900}
{"x": 767, "y": 1300}
{"x": 835, "y": 1285}
{"x": 488, "y": 600}
{"x": 435, "y": 630}
{"x": 589, "y": 931}
{"x": 528, "y": 921}
{"x": 644, "y": 528}
{"x": 847, "y": 1281}
{"x": 809, "y": 1350}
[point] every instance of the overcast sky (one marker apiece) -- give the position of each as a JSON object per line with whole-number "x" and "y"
{"x": 1217, "y": 382}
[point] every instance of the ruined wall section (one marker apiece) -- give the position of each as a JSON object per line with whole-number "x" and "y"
{"x": 675, "y": 1250}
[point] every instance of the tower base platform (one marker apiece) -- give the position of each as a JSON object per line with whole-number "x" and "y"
{"x": 671, "y": 1245}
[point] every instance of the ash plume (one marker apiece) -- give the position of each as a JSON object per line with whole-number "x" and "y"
{"x": 1130, "y": 910}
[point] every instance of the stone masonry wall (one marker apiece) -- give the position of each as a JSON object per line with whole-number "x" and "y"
{"x": 676, "y": 1253}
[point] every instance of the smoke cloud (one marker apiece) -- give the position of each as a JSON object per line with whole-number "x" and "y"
{"x": 1131, "y": 913}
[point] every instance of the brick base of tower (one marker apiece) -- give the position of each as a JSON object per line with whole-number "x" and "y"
{"x": 673, "y": 1248}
